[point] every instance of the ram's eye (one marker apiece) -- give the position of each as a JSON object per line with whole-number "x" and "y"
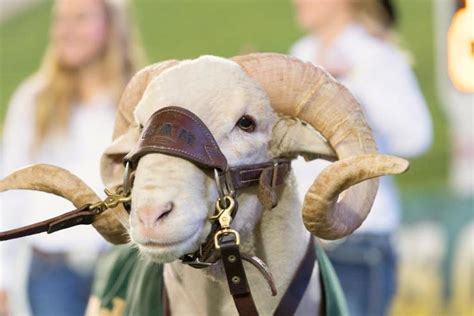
{"x": 246, "y": 123}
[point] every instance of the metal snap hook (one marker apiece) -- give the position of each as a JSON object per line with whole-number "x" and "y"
{"x": 230, "y": 204}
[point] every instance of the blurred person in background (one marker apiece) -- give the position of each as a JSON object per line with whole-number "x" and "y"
{"x": 353, "y": 40}
{"x": 63, "y": 115}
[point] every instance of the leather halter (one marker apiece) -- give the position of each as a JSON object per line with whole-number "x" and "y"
{"x": 178, "y": 132}
{"x": 82, "y": 215}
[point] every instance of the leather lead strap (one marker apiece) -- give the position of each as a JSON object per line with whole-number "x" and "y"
{"x": 241, "y": 292}
{"x": 80, "y": 216}
{"x": 298, "y": 286}
{"x": 237, "y": 279}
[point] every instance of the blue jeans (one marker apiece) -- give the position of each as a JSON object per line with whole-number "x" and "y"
{"x": 55, "y": 289}
{"x": 366, "y": 267}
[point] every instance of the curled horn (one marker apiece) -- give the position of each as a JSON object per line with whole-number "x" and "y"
{"x": 134, "y": 92}
{"x": 126, "y": 133}
{"x": 341, "y": 196}
{"x": 58, "y": 181}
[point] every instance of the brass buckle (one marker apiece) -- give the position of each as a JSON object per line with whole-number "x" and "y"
{"x": 225, "y": 232}
{"x": 224, "y": 216}
{"x": 230, "y": 204}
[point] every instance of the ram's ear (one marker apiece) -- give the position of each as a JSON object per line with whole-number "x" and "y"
{"x": 293, "y": 137}
{"x": 111, "y": 164}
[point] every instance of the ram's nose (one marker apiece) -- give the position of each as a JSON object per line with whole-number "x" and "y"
{"x": 152, "y": 215}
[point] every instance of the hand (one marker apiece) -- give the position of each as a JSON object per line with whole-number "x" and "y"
{"x": 4, "y": 307}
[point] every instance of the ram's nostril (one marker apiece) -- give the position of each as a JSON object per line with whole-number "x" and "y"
{"x": 166, "y": 210}
{"x": 163, "y": 215}
{"x": 151, "y": 215}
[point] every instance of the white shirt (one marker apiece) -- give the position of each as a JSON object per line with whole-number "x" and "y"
{"x": 382, "y": 81}
{"x": 77, "y": 150}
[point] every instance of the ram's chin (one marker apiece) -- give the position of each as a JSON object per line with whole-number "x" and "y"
{"x": 162, "y": 252}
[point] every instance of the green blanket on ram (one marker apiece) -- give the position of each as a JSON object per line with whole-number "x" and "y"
{"x": 124, "y": 276}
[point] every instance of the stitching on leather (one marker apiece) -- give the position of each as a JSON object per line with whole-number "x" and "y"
{"x": 178, "y": 150}
{"x": 246, "y": 181}
{"x": 242, "y": 172}
{"x": 205, "y": 129}
{"x": 201, "y": 125}
{"x": 208, "y": 153}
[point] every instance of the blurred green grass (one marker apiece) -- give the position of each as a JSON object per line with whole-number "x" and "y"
{"x": 186, "y": 29}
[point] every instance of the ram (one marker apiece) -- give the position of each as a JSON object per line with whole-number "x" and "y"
{"x": 207, "y": 145}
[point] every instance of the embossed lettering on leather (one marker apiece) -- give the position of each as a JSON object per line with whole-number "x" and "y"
{"x": 179, "y": 132}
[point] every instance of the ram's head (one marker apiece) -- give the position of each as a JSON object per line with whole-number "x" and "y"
{"x": 257, "y": 107}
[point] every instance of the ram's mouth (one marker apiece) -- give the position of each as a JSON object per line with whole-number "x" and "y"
{"x": 162, "y": 250}
{"x": 154, "y": 244}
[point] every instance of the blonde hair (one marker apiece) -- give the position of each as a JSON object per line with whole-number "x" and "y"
{"x": 119, "y": 61}
{"x": 374, "y": 18}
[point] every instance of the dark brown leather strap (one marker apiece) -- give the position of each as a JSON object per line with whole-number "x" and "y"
{"x": 255, "y": 261}
{"x": 241, "y": 291}
{"x": 80, "y": 216}
{"x": 249, "y": 175}
{"x": 179, "y": 132}
{"x": 298, "y": 286}
{"x": 237, "y": 279}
